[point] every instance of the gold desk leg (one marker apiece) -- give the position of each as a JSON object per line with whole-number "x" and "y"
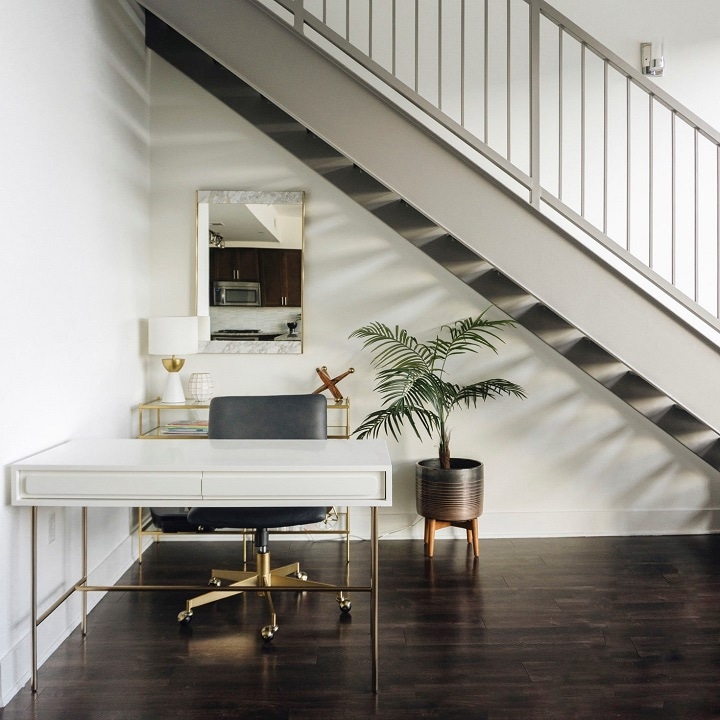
{"x": 347, "y": 535}
{"x": 34, "y": 597}
{"x": 374, "y": 600}
{"x": 83, "y": 622}
{"x": 140, "y": 536}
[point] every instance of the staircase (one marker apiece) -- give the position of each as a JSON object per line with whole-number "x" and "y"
{"x": 525, "y": 288}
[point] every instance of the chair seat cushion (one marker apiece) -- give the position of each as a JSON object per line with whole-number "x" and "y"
{"x": 259, "y": 517}
{"x": 174, "y": 520}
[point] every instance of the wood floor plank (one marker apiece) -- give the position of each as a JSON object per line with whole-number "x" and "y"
{"x": 576, "y": 628}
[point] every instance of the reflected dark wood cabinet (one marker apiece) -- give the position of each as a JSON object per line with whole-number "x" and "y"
{"x": 278, "y": 271}
{"x": 234, "y": 264}
{"x": 281, "y": 278}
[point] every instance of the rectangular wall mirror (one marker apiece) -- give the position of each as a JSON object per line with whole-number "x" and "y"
{"x": 249, "y": 280}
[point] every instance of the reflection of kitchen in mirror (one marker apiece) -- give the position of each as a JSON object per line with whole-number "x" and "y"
{"x": 249, "y": 271}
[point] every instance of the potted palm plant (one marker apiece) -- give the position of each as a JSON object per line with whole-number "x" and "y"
{"x": 412, "y": 379}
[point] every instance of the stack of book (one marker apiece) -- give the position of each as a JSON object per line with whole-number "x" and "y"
{"x": 186, "y": 427}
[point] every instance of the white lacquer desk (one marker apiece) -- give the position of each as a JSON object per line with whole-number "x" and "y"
{"x": 261, "y": 473}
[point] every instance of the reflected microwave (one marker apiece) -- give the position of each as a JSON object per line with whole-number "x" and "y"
{"x": 231, "y": 292}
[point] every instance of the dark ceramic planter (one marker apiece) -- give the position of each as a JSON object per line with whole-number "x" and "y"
{"x": 454, "y": 495}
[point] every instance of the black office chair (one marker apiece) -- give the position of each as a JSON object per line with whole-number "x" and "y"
{"x": 252, "y": 418}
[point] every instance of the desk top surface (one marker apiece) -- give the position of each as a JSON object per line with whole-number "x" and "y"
{"x": 206, "y": 472}
{"x": 211, "y": 455}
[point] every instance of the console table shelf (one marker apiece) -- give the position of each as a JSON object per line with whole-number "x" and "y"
{"x": 339, "y": 418}
{"x": 192, "y": 424}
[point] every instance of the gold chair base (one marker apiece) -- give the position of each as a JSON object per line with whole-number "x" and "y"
{"x": 287, "y": 577}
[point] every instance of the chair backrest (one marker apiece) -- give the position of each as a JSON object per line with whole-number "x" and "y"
{"x": 255, "y": 417}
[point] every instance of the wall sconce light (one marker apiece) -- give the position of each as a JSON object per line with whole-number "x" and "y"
{"x": 652, "y": 59}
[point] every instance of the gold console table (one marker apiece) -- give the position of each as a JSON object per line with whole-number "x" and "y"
{"x": 153, "y": 424}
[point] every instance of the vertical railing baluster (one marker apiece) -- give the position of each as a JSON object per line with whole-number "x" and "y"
{"x": 417, "y": 44}
{"x": 370, "y": 29}
{"x": 651, "y": 177}
{"x": 347, "y": 20}
{"x": 439, "y": 54}
{"x": 717, "y": 230}
{"x": 628, "y": 162}
{"x": 560, "y": 112}
{"x": 696, "y": 239}
{"x": 605, "y": 147}
{"x": 582, "y": 129}
{"x": 535, "y": 189}
{"x": 299, "y": 17}
{"x": 462, "y": 63}
{"x": 394, "y": 38}
{"x": 486, "y": 74}
{"x": 508, "y": 80}
{"x": 673, "y": 198}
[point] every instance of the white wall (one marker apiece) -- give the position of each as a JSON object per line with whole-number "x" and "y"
{"x": 691, "y": 32}
{"x": 74, "y": 266}
{"x": 571, "y": 459}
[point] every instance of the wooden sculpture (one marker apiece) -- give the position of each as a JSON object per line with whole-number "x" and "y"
{"x": 331, "y": 383}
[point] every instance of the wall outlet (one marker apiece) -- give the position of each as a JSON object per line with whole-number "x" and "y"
{"x": 51, "y": 528}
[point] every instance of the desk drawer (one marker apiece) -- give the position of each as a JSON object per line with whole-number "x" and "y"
{"x": 103, "y": 487}
{"x": 298, "y": 488}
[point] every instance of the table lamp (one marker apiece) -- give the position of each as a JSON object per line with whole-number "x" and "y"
{"x": 172, "y": 336}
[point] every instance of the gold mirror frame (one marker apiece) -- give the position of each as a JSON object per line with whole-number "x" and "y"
{"x": 282, "y": 202}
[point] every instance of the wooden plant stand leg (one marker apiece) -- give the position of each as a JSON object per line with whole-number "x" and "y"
{"x": 431, "y": 526}
{"x": 473, "y": 537}
{"x": 470, "y": 526}
{"x": 427, "y": 531}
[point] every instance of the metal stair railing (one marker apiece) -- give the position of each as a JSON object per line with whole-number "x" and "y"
{"x": 553, "y": 114}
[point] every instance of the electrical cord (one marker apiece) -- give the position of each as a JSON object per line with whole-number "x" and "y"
{"x": 357, "y": 537}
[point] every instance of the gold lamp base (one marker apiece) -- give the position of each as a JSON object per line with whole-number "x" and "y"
{"x": 173, "y": 393}
{"x": 173, "y": 364}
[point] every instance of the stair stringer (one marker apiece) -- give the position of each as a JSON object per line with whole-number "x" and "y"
{"x": 515, "y": 248}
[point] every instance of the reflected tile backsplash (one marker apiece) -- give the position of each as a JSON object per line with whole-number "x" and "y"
{"x": 268, "y": 320}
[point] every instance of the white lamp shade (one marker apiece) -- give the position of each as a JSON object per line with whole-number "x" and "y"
{"x": 172, "y": 335}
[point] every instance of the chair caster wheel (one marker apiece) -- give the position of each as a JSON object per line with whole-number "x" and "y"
{"x": 268, "y": 632}
{"x": 214, "y": 582}
{"x": 345, "y": 605}
{"x": 184, "y": 617}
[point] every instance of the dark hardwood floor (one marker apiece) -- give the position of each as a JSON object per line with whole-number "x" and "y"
{"x": 549, "y": 628}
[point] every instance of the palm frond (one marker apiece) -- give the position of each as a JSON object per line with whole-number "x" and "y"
{"x": 390, "y": 420}
{"x": 474, "y": 334}
{"x": 392, "y": 347}
{"x": 487, "y": 390}
{"x": 411, "y": 377}
{"x": 416, "y": 388}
